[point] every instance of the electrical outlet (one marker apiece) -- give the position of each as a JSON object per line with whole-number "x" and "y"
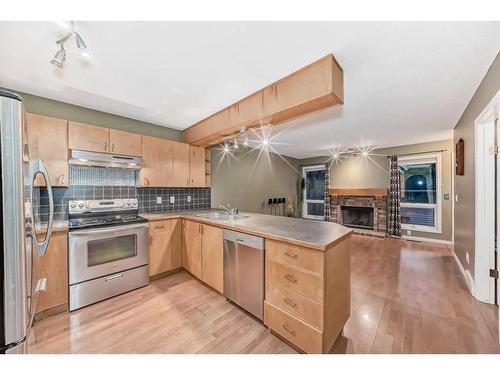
{"x": 188, "y": 199}
{"x": 172, "y": 199}
{"x": 408, "y": 232}
{"x": 467, "y": 257}
{"x": 158, "y": 200}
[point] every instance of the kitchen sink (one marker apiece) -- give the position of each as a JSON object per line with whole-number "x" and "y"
{"x": 222, "y": 216}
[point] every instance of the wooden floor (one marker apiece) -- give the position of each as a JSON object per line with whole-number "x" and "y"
{"x": 407, "y": 297}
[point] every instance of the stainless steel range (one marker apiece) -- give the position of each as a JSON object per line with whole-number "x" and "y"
{"x": 108, "y": 250}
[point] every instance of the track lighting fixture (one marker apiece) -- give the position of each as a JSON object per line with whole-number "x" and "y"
{"x": 60, "y": 55}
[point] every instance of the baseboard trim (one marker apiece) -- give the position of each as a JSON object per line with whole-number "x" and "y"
{"x": 466, "y": 274}
{"x": 423, "y": 239}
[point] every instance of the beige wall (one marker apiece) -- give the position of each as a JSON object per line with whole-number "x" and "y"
{"x": 356, "y": 172}
{"x": 247, "y": 181}
{"x": 464, "y": 185}
{"x": 53, "y": 108}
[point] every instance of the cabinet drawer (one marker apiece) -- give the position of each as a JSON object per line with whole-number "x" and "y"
{"x": 159, "y": 226}
{"x": 299, "y": 281}
{"x": 295, "y": 304}
{"x": 297, "y": 332}
{"x": 309, "y": 260}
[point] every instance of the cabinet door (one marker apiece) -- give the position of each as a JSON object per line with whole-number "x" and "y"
{"x": 54, "y": 266}
{"x": 212, "y": 257}
{"x": 125, "y": 143}
{"x": 197, "y": 166}
{"x": 181, "y": 165}
{"x": 246, "y": 112}
{"x": 88, "y": 137}
{"x": 48, "y": 141}
{"x": 164, "y": 246}
{"x": 191, "y": 247}
{"x": 300, "y": 87}
{"x": 157, "y": 164}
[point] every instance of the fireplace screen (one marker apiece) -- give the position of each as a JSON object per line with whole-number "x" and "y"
{"x": 357, "y": 217}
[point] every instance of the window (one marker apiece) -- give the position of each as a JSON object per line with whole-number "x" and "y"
{"x": 420, "y": 178}
{"x": 314, "y": 192}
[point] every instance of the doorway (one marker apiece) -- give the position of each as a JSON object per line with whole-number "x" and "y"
{"x": 313, "y": 206}
{"x": 487, "y": 197}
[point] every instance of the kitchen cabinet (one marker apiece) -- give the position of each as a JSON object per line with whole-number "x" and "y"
{"x": 202, "y": 253}
{"x": 125, "y": 143}
{"x": 191, "y": 247}
{"x": 247, "y": 111}
{"x": 88, "y": 137}
{"x": 99, "y": 139}
{"x": 54, "y": 266}
{"x": 157, "y": 168}
{"x": 48, "y": 140}
{"x": 315, "y": 87}
{"x": 308, "y": 293}
{"x": 197, "y": 166}
{"x": 164, "y": 246}
{"x": 212, "y": 265}
{"x": 181, "y": 177}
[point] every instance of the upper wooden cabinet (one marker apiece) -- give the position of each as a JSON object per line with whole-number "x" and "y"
{"x": 164, "y": 246}
{"x": 125, "y": 143}
{"x": 157, "y": 167}
{"x": 181, "y": 176}
{"x": 48, "y": 140}
{"x": 99, "y": 139}
{"x": 317, "y": 86}
{"x": 88, "y": 137}
{"x": 197, "y": 166}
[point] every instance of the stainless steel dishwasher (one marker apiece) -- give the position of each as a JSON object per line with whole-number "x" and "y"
{"x": 244, "y": 271}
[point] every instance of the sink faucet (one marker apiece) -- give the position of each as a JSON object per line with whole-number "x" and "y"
{"x": 231, "y": 211}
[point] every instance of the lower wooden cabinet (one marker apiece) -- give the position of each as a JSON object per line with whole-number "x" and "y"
{"x": 164, "y": 246}
{"x": 191, "y": 247}
{"x": 54, "y": 266}
{"x": 212, "y": 262}
{"x": 202, "y": 253}
{"x": 308, "y": 293}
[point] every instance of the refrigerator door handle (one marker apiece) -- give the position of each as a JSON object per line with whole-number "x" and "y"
{"x": 41, "y": 247}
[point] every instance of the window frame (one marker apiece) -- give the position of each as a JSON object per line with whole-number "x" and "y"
{"x": 421, "y": 159}
{"x": 305, "y": 169}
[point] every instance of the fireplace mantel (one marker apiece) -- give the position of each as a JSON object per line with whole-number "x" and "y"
{"x": 363, "y": 192}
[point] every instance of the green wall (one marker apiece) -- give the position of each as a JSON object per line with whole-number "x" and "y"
{"x": 246, "y": 181}
{"x": 54, "y": 108}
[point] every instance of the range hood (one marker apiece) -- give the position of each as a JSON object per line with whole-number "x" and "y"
{"x": 99, "y": 159}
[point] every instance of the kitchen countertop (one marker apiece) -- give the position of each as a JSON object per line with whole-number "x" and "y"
{"x": 319, "y": 235}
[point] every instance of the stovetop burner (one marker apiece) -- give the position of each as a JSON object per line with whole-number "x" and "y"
{"x": 98, "y": 213}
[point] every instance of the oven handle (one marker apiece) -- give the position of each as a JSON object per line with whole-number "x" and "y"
{"x": 81, "y": 232}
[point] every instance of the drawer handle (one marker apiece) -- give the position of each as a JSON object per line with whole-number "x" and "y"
{"x": 290, "y": 302}
{"x": 160, "y": 227}
{"x": 290, "y": 278}
{"x": 291, "y": 331}
{"x": 115, "y": 277}
{"x": 293, "y": 256}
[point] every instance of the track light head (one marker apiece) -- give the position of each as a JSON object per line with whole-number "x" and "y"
{"x": 59, "y": 57}
{"x": 79, "y": 41}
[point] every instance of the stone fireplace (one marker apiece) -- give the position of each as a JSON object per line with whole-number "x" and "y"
{"x": 364, "y": 210}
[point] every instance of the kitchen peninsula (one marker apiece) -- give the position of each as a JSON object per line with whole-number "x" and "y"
{"x": 307, "y": 267}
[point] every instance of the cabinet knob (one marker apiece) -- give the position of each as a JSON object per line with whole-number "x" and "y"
{"x": 112, "y": 147}
{"x": 60, "y": 180}
{"x": 146, "y": 182}
{"x": 105, "y": 146}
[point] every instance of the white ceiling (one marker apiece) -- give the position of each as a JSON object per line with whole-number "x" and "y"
{"x": 404, "y": 82}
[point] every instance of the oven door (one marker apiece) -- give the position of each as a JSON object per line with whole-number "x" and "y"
{"x": 98, "y": 252}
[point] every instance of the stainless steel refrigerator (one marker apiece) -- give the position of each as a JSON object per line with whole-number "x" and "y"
{"x": 20, "y": 226}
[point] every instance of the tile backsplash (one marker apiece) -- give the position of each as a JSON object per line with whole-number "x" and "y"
{"x": 147, "y": 198}
{"x": 89, "y": 176}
